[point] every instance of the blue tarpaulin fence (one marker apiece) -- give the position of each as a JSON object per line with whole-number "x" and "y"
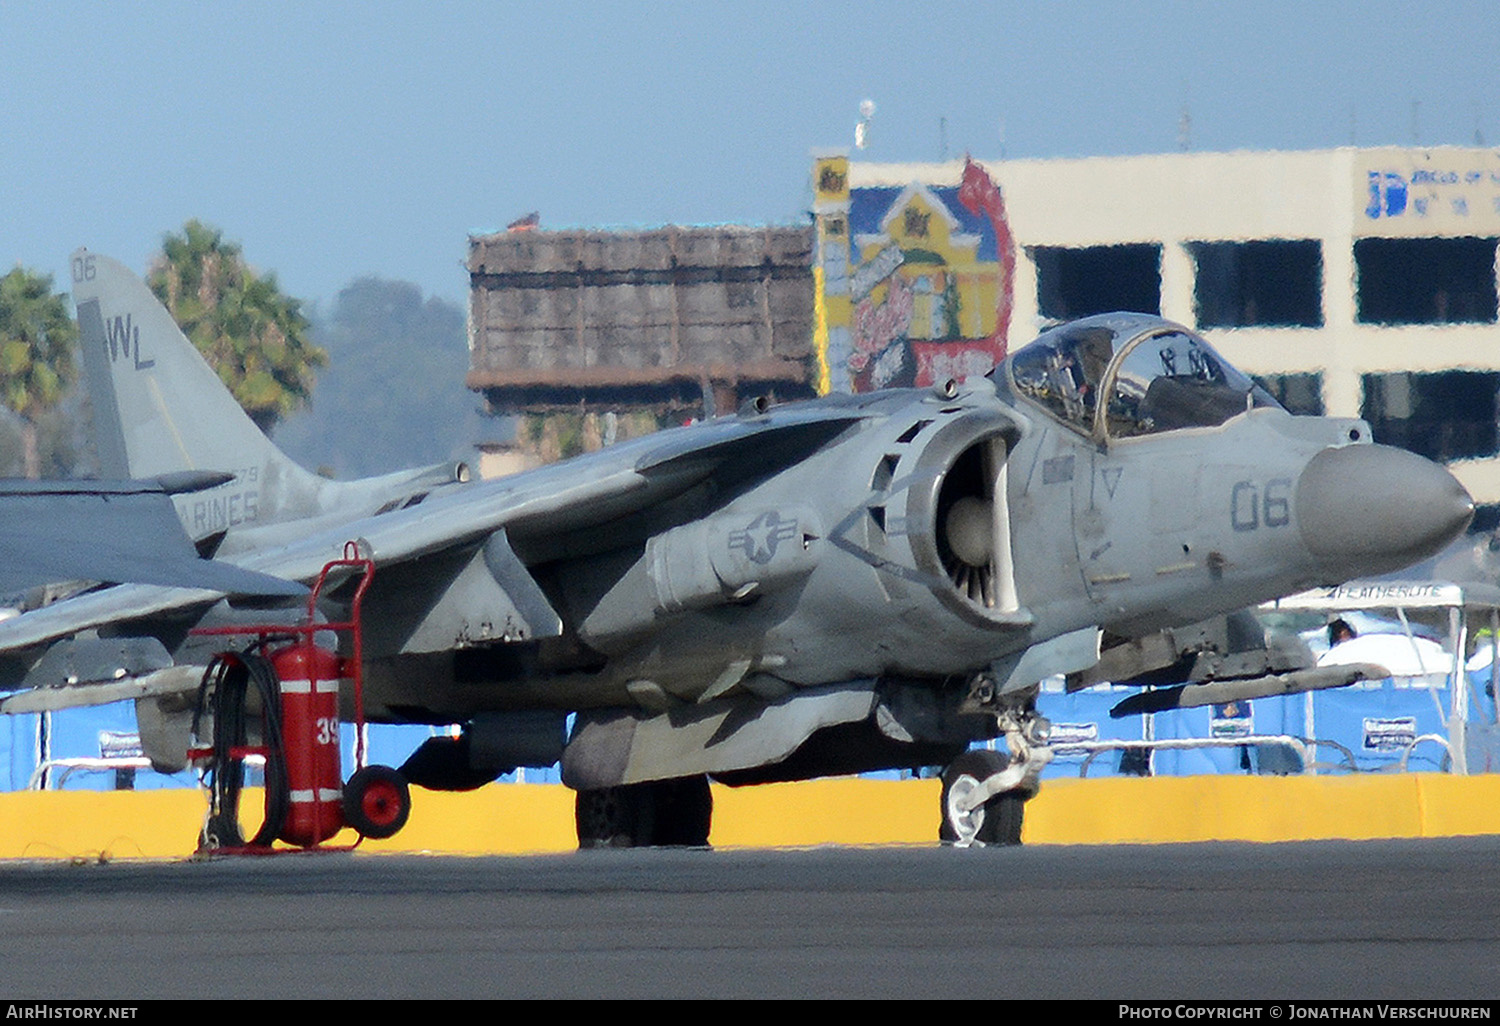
{"x": 1374, "y": 721}
{"x": 75, "y": 734}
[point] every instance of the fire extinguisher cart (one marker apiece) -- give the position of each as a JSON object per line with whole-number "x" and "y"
{"x": 296, "y": 685}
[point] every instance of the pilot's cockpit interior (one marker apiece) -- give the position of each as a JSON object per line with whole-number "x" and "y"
{"x": 1155, "y": 376}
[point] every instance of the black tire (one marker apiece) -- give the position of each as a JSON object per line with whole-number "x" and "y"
{"x": 1004, "y": 815}
{"x": 377, "y": 802}
{"x": 662, "y": 813}
{"x": 684, "y": 812}
{"x": 614, "y": 817}
{"x": 1000, "y": 818}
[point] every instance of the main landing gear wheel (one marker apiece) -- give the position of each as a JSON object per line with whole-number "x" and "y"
{"x": 998, "y": 820}
{"x": 684, "y": 812}
{"x": 377, "y": 801}
{"x": 611, "y": 817}
{"x": 661, "y": 813}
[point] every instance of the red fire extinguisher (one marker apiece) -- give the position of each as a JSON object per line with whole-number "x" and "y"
{"x": 310, "y": 677}
{"x": 299, "y": 688}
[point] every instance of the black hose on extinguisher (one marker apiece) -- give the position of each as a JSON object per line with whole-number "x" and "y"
{"x": 222, "y": 694}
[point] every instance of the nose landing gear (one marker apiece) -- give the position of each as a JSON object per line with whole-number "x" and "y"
{"x": 985, "y": 791}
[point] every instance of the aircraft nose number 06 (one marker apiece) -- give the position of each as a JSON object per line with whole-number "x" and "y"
{"x": 1250, "y": 506}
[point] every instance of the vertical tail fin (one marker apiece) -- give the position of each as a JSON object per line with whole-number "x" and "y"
{"x": 160, "y": 409}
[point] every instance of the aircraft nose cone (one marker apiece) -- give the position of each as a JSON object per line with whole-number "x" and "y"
{"x": 1371, "y": 509}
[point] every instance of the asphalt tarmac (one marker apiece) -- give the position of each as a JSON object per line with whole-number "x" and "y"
{"x": 1402, "y": 920}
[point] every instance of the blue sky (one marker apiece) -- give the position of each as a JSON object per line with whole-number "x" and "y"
{"x": 334, "y": 140}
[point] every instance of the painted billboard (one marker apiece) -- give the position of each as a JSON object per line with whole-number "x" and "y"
{"x": 914, "y": 283}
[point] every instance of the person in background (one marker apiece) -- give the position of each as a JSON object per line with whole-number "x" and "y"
{"x": 1339, "y": 631}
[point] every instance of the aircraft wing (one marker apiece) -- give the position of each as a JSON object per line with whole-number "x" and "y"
{"x": 580, "y": 493}
{"x": 1223, "y": 659}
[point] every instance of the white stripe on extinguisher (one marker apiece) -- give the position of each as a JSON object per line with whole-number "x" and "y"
{"x": 303, "y": 687}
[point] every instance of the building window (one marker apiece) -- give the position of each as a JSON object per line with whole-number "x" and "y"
{"x": 1073, "y": 283}
{"x": 1425, "y": 281}
{"x": 1301, "y": 394}
{"x": 1269, "y": 283}
{"x": 1450, "y": 415}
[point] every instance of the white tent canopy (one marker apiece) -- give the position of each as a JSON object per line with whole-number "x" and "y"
{"x": 1403, "y": 656}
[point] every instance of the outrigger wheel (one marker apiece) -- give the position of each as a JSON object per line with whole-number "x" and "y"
{"x": 998, "y": 820}
{"x": 377, "y": 801}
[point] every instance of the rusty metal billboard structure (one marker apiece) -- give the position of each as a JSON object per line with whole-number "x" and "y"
{"x": 666, "y": 319}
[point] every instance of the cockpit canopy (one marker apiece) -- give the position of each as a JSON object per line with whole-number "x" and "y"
{"x": 1156, "y": 376}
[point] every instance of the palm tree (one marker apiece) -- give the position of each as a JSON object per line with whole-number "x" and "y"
{"x": 253, "y": 335}
{"x": 36, "y": 353}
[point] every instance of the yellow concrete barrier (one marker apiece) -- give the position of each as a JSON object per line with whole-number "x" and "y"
{"x": 521, "y": 818}
{"x": 1172, "y": 809}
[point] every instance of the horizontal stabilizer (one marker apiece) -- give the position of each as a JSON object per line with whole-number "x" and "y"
{"x": 1192, "y": 696}
{"x": 114, "y": 531}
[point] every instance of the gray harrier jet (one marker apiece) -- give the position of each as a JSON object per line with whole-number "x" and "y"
{"x": 843, "y": 585}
